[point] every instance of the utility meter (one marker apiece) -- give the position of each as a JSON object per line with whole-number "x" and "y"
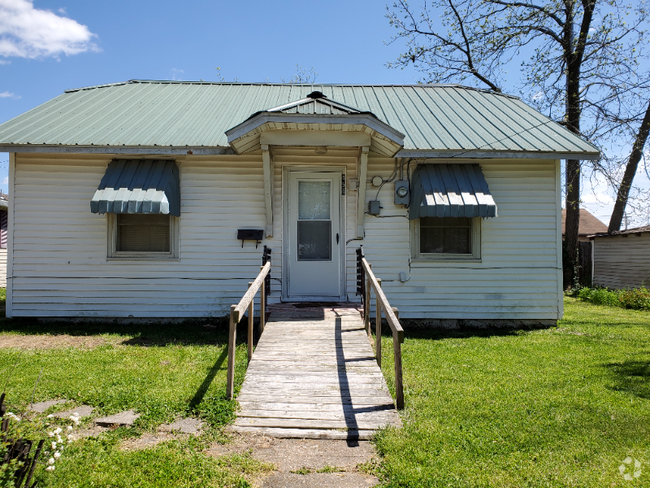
{"x": 402, "y": 194}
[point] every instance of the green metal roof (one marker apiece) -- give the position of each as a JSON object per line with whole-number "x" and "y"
{"x": 174, "y": 117}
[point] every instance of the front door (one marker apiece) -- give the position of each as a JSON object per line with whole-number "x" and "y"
{"x": 313, "y": 251}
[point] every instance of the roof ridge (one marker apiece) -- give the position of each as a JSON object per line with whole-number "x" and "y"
{"x": 267, "y": 83}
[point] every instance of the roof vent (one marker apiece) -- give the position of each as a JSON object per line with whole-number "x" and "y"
{"x": 316, "y": 95}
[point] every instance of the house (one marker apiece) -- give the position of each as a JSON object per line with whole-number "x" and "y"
{"x": 166, "y": 192}
{"x": 622, "y": 259}
{"x": 589, "y": 225}
{"x": 4, "y": 210}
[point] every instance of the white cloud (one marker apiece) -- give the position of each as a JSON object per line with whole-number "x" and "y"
{"x": 28, "y": 32}
{"x": 175, "y": 72}
{"x": 5, "y": 180}
{"x": 7, "y": 94}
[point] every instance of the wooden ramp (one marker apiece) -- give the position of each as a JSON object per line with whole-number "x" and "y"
{"x": 314, "y": 375}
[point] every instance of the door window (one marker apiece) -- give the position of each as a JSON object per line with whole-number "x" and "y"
{"x": 314, "y": 224}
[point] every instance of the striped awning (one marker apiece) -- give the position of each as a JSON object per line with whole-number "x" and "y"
{"x": 139, "y": 186}
{"x": 450, "y": 190}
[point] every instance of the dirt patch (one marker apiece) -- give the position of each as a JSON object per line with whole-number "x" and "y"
{"x": 304, "y": 462}
{"x": 146, "y": 441}
{"x": 44, "y": 341}
{"x": 49, "y": 341}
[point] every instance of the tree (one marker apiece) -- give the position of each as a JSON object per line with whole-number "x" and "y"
{"x": 579, "y": 60}
{"x": 630, "y": 171}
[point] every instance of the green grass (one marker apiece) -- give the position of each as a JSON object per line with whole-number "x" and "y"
{"x": 561, "y": 407}
{"x": 163, "y": 371}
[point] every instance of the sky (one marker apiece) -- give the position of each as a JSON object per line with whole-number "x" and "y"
{"x": 48, "y": 46}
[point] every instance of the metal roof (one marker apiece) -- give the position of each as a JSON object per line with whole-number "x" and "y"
{"x": 143, "y": 186}
{"x": 450, "y": 190}
{"x": 174, "y": 117}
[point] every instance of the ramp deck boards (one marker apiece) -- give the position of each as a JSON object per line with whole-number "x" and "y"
{"x": 313, "y": 375}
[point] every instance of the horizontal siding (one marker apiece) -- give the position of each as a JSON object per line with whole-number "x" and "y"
{"x": 61, "y": 269}
{"x": 3, "y": 268}
{"x": 622, "y": 261}
{"x": 517, "y": 277}
{"x": 60, "y": 264}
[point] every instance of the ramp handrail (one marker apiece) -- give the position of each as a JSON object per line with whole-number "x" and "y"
{"x": 393, "y": 322}
{"x": 236, "y": 312}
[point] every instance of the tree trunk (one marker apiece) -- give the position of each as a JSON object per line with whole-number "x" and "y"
{"x": 572, "y": 222}
{"x": 630, "y": 171}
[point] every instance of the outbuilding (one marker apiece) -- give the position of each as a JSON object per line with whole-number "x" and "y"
{"x": 167, "y": 192}
{"x": 622, "y": 259}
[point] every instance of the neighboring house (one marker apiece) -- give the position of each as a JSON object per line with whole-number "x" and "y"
{"x": 589, "y": 225}
{"x": 454, "y": 193}
{"x": 622, "y": 259}
{"x": 4, "y": 207}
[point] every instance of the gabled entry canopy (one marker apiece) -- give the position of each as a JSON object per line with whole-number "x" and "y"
{"x": 450, "y": 190}
{"x": 144, "y": 186}
{"x": 304, "y": 119}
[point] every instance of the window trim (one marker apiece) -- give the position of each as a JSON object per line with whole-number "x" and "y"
{"x": 474, "y": 256}
{"x": 114, "y": 255}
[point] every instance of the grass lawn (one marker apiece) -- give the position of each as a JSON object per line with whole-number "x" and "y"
{"x": 561, "y": 407}
{"x": 163, "y": 371}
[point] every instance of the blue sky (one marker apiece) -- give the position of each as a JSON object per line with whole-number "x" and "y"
{"x": 48, "y": 46}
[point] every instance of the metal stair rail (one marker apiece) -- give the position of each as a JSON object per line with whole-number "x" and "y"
{"x": 236, "y": 312}
{"x": 364, "y": 270}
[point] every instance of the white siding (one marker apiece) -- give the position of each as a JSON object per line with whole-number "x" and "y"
{"x": 517, "y": 277}
{"x": 3, "y": 268}
{"x": 622, "y": 261}
{"x": 60, "y": 266}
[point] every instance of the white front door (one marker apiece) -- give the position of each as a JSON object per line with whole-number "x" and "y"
{"x": 315, "y": 239}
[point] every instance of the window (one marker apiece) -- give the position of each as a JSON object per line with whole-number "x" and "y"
{"x": 447, "y": 238}
{"x": 142, "y": 236}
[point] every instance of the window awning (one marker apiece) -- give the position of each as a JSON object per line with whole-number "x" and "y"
{"x": 450, "y": 190}
{"x": 139, "y": 186}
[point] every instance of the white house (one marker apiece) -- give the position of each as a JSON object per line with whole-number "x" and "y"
{"x": 453, "y": 192}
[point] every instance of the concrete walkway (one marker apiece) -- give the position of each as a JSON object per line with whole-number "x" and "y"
{"x": 313, "y": 375}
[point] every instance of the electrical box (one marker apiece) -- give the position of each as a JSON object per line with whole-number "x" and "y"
{"x": 402, "y": 192}
{"x": 373, "y": 207}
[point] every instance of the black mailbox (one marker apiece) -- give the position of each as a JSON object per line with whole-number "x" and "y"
{"x": 250, "y": 235}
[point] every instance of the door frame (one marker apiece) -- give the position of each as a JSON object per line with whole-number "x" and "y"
{"x": 286, "y": 271}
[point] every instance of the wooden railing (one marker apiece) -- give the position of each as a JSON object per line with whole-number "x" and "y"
{"x": 236, "y": 312}
{"x": 392, "y": 319}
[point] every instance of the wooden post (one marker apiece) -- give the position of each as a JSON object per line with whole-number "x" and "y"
{"x": 250, "y": 325}
{"x": 378, "y": 325}
{"x": 232, "y": 336}
{"x": 366, "y": 305}
{"x": 397, "y": 355}
{"x": 262, "y": 306}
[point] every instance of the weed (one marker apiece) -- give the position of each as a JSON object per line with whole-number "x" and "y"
{"x": 303, "y": 470}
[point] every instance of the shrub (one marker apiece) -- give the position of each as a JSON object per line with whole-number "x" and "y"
{"x": 635, "y": 298}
